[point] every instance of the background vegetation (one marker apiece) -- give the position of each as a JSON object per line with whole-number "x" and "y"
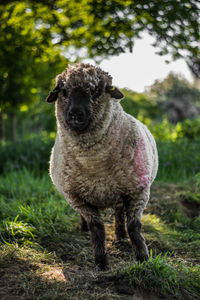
{"x": 42, "y": 253}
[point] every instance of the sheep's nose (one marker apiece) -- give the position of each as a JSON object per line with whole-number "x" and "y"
{"x": 76, "y": 116}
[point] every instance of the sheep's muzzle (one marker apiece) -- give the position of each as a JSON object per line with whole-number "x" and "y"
{"x": 78, "y": 112}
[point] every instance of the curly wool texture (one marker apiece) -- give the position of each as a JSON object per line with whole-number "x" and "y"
{"x": 83, "y": 75}
{"x": 115, "y": 157}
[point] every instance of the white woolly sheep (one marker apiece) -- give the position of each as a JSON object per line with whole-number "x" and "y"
{"x": 102, "y": 156}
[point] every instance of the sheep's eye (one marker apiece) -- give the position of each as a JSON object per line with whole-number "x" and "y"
{"x": 96, "y": 94}
{"x": 65, "y": 93}
{"x": 92, "y": 91}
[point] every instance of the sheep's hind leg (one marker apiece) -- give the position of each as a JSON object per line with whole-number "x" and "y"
{"x": 120, "y": 223}
{"x": 134, "y": 210}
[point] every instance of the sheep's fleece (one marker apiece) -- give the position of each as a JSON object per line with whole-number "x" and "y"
{"x": 115, "y": 156}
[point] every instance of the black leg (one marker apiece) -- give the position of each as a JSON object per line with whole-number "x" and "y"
{"x": 96, "y": 227}
{"x": 134, "y": 209}
{"x": 91, "y": 215}
{"x": 120, "y": 223}
{"x": 84, "y": 226}
{"x": 137, "y": 239}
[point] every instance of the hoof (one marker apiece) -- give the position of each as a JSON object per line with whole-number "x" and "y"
{"x": 101, "y": 262}
{"x": 143, "y": 255}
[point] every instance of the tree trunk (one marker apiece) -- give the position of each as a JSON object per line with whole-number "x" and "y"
{"x": 13, "y": 126}
{"x": 1, "y": 127}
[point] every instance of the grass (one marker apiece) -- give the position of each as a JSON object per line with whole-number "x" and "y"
{"x": 43, "y": 255}
{"x": 158, "y": 276}
{"x": 31, "y": 207}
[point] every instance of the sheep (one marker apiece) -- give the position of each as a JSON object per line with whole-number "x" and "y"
{"x": 102, "y": 157}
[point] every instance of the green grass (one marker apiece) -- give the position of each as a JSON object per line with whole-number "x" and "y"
{"x": 158, "y": 276}
{"x": 31, "y": 207}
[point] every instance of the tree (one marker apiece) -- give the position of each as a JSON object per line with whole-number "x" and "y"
{"x": 194, "y": 65}
{"x": 27, "y": 62}
{"x": 177, "y": 97}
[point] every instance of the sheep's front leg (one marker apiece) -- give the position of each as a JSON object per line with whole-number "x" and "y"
{"x": 97, "y": 230}
{"x": 134, "y": 210}
{"x": 120, "y": 222}
{"x": 90, "y": 214}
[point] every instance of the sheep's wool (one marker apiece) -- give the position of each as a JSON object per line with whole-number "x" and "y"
{"x": 115, "y": 157}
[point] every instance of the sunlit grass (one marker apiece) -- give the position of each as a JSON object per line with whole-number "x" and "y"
{"x": 157, "y": 275}
{"x": 30, "y": 206}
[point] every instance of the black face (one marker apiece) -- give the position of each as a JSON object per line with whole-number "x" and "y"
{"x": 78, "y": 112}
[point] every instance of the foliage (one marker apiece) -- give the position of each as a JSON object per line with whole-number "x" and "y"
{"x": 16, "y": 231}
{"x": 165, "y": 131}
{"x": 173, "y": 86}
{"x": 110, "y": 28}
{"x": 194, "y": 65}
{"x": 190, "y": 129}
{"x": 140, "y": 106}
{"x": 27, "y": 61}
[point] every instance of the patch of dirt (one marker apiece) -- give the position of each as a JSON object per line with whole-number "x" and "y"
{"x": 190, "y": 203}
{"x": 166, "y": 197}
{"x": 190, "y": 209}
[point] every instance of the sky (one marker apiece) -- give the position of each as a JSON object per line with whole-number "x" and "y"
{"x": 142, "y": 67}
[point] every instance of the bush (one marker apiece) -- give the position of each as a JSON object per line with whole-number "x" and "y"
{"x": 140, "y": 106}
{"x": 190, "y": 128}
{"x": 32, "y": 153}
{"x": 165, "y": 130}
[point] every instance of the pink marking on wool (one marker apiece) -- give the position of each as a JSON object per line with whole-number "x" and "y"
{"x": 141, "y": 164}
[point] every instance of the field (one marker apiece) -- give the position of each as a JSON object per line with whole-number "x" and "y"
{"x": 43, "y": 254}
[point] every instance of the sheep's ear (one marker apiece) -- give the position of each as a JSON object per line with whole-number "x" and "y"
{"x": 114, "y": 92}
{"x": 53, "y": 95}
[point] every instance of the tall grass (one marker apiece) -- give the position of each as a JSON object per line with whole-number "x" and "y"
{"x": 178, "y": 160}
